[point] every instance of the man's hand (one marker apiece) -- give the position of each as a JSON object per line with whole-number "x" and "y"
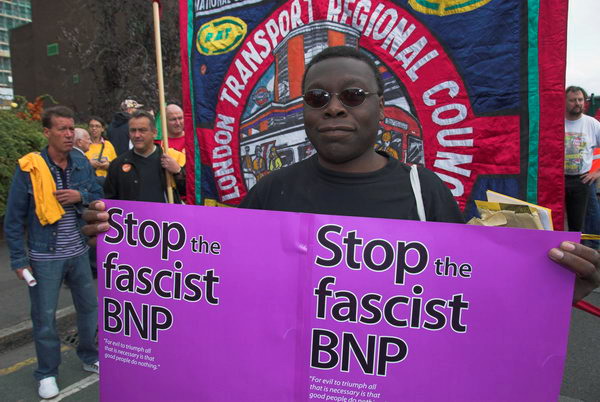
{"x": 96, "y": 221}
{"x": 19, "y": 272}
{"x": 583, "y": 261}
{"x": 67, "y": 197}
{"x": 590, "y": 176}
{"x": 170, "y": 164}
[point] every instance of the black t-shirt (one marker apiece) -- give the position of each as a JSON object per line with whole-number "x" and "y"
{"x": 149, "y": 173}
{"x": 386, "y": 193}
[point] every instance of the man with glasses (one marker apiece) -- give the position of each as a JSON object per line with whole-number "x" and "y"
{"x": 343, "y": 105}
{"x": 138, "y": 174}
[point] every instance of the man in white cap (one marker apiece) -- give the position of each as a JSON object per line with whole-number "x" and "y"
{"x": 118, "y": 129}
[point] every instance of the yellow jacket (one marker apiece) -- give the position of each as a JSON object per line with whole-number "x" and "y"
{"x": 47, "y": 207}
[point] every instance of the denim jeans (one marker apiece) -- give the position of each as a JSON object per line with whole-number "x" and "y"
{"x": 44, "y": 299}
{"x": 592, "y": 218}
{"x": 576, "y": 200}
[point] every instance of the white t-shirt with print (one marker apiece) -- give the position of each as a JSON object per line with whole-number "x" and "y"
{"x": 581, "y": 136}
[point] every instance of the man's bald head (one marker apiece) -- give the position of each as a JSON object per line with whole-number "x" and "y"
{"x": 173, "y": 108}
{"x": 174, "y": 121}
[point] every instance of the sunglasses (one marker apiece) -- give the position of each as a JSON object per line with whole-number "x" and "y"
{"x": 350, "y": 97}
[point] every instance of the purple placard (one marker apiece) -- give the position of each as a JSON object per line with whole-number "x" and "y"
{"x": 222, "y": 304}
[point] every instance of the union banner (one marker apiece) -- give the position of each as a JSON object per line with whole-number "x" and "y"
{"x": 474, "y": 90}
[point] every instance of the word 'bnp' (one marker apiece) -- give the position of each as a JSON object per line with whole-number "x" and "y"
{"x": 168, "y": 283}
{"x": 400, "y": 311}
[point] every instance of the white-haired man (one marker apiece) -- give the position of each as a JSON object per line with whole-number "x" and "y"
{"x": 82, "y": 140}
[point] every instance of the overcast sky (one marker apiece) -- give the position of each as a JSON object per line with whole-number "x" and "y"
{"x": 583, "y": 45}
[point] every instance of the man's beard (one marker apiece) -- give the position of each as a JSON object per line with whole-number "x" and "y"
{"x": 576, "y": 111}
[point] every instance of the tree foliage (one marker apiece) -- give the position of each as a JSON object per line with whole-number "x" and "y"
{"x": 117, "y": 51}
{"x": 18, "y": 137}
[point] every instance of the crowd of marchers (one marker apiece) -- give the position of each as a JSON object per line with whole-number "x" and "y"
{"x": 53, "y": 213}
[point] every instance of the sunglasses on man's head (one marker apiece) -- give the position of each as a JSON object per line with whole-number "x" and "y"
{"x": 350, "y": 97}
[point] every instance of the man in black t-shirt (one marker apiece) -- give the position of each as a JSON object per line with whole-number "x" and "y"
{"x": 309, "y": 187}
{"x": 138, "y": 174}
{"x": 343, "y": 104}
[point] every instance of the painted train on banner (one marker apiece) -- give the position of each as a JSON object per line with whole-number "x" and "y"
{"x": 271, "y": 131}
{"x": 248, "y": 59}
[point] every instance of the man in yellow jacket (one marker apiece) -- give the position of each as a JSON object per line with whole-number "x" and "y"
{"x": 48, "y": 193}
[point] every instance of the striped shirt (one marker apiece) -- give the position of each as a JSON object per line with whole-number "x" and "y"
{"x": 68, "y": 239}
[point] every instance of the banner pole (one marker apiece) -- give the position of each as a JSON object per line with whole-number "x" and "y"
{"x": 161, "y": 93}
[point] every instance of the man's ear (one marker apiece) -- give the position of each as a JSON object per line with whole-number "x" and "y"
{"x": 46, "y": 132}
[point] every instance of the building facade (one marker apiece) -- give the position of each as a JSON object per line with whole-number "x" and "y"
{"x": 90, "y": 55}
{"x": 13, "y": 13}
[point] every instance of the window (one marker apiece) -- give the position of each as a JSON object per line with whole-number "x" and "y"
{"x": 4, "y": 78}
{"x": 4, "y": 63}
{"x": 21, "y": 9}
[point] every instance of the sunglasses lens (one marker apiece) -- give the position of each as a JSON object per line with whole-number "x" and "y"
{"x": 316, "y": 98}
{"x": 352, "y": 97}
{"x": 319, "y": 98}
